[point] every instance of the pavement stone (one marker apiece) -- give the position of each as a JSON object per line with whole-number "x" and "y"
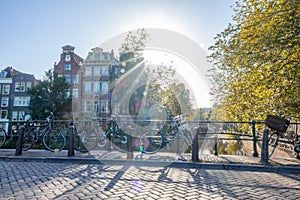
{"x": 39, "y": 174}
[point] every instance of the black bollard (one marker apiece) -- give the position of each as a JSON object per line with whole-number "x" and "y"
{"x": 20, "y": 140}
{"x": 216, "y": 146}
{"x": 255, "y": 153}
{"x": 195, "y": 150}
{"x": 71, "y": 149}
{"x": 129, "y": 147}
{"x": 264, "y": 148}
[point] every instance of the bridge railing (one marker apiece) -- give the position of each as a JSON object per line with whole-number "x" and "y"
{"x": 210, "y": 137}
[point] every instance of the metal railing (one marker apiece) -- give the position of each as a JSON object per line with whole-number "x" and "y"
{"x": 216, "y": 136}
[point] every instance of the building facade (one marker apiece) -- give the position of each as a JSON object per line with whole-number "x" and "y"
{"x": 69, "y": 66}
{"x": 14, "y": 97}
{"x": 96, "y": 79}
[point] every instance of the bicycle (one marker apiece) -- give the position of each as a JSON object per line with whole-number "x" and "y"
{"x": 37, "y": 133}
{"x": 152, "y": 141}
{"x": 89, "y": 138}
{"x": 279, "y": 127}
{"x": 3, "y": 137}
{"x": 115, "y": 135}
{"x": 85, "y": 139}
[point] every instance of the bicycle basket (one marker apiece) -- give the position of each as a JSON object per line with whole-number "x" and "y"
{"x": 277, "y": 123}
{"x": 178, "y": 121}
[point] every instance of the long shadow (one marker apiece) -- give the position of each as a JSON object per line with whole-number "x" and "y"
{"x": 204, "y": 179}
{"x": 117, "y": 177}
{"x": 228, "y": 187}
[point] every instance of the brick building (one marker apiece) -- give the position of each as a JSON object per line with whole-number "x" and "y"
{"x": 69, "y": 66}
{"x": 14, "y": 97}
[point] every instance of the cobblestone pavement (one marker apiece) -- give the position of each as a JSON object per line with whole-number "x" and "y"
{"x": 42, "y": 180}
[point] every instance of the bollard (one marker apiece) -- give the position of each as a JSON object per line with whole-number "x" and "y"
{"x": 71, "y": 151}
{"x": 129, "y": 147}
{"x": 19, "y": 144}
{"x": 178, "y": 147}
{"x": 255, "y": 153}
{"x": 216, "y": 147}
{"x": 264, "y": 150}
{"x": 195, "y": 149}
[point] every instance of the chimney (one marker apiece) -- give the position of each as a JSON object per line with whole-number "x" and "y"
{"x": 112, "y": 55}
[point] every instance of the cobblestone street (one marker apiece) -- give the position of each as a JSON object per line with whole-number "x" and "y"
{"x": 42, "y": 180}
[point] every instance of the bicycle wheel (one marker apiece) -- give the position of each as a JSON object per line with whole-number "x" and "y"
{"x": 54, "y": 140}
{"x": 150, "y": 142}
{"x": 119, "y": 140}
{"x": 297, "y": 144}
{"x": 85, "y": 140}
{"x": 102, "y": 140}
{"x": 3, "y": 137}
{"x": 28, "y": 140}
{"x": 272, "y": 143}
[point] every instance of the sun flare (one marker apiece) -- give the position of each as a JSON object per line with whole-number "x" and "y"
{"x": 186, "y": 73}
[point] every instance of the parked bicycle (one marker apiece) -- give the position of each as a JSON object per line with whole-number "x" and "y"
{"x": 279, "y": 133}
{"x": 89, "y": 138}
{"x": 42, "y": 132}
{"x": 85, "y": 138}
{"x": 3, "y": 137}
{"x": 151, "y": 141}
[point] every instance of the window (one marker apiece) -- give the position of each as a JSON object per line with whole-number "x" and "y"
{"x": 4, "y": 101}
{"x": 5, "y": 89}
{"x": 17, "y": 86}
{"x": 67, "y": 66}
{"x": 22, "y": 87}
{"x": 14, "y": 115}
{"x": 68, "y": 78}
{"x": 28, "y": 85}
{"x": 105, "y": 71}
{"x": 88, "y": 106}
{"x": 75, "y": 93}
{"x": 104, "y": 87}
{"x": 18, "y": 115}
{"x": 88, "y": 87}
{"x": 67, "y": 58}
{"x": 3, "y": 114}
{"x": 96, "y": 87}
{"x": 75, "y": 79}
{"x": 96, "y": 71}
{"x": 96, "y": 105}
{"x": 104, "y": 106}
{"x": 21, "y": 115}
{"x": 88, "y": 71}
{"x": 22, "y": 101}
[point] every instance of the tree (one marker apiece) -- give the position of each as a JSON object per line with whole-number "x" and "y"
{"x": 256, "y": 61}
{"x": 50, "y": 95}
{"x": 158, "y": 81}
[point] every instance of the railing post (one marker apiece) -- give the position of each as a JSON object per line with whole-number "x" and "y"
{"x": 20, "y": 140}
{"x": 255, "y": 153}
{"x": 195, "y": 150}
{"x": 264, "y": 150}
{"x": 216, "y": 146}
{"x": 129, "y": 147}
{"x": 71, "y": 150}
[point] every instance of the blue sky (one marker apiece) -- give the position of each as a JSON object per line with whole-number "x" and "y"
{"x": 33, "y": 31}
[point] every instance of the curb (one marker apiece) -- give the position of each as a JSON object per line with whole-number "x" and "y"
{"x": 151, "y": 163}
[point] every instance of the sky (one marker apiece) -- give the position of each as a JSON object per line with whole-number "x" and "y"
{"x": 33, "y": 31}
